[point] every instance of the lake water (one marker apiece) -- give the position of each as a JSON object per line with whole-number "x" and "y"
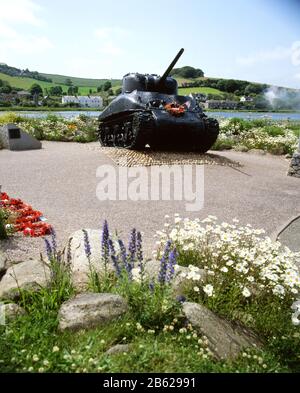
{"x": 225, "y": 114}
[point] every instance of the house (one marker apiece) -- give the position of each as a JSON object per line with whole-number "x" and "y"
{"x": 246, "y": 99}
{"x": 24, "y": 94}
{"x": 220, "y": 104}
{"x": 84, "y": 101}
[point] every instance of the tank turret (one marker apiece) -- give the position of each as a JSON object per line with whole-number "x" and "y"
{"x": 150, "y": 112}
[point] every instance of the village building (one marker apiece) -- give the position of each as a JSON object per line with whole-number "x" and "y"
{"x": 84, "y": 101}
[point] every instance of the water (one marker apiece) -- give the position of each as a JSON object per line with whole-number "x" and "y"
{"x": 226, "y": 114}
{"x": 64, "y": 114}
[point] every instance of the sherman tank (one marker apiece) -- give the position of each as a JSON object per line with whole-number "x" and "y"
{"x": 150, "y": 113}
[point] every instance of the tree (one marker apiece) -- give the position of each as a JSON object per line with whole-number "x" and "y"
{"x": 99, "y": 88}
{"x": 188, "y": 72}
{"x": 36, "y": 90}
{"x": 118, "y": 91}
{"x": 56, "y": 91}
{"x": 68, "y": 82}
{"x": 6, "y": 89}
{"x": 72, "y": 90}
{"x": 107, "y": 85}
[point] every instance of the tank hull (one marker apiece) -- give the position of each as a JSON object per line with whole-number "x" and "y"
{"x": 137, "y": 119}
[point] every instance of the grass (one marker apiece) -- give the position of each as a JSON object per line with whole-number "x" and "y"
{"x": 84, "y": 84}
{"x": 159, "y": 338}
{"x": 203, "y": 90}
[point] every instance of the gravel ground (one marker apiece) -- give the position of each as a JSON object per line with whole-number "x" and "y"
{"x": 60, "y": 180}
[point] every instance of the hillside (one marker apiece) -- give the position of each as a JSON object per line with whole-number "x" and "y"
{"x": 24, "y": 79}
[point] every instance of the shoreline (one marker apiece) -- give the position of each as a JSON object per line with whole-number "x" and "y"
{"x": 57, "y": 109}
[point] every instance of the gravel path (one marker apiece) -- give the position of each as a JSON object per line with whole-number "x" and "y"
{"x": 60, "y": 180}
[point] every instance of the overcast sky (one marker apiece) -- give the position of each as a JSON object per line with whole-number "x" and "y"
{"x": 257, "y": 40}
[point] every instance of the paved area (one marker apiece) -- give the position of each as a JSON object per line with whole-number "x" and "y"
{"x": 60, "y": 180}
{"x": 290, "y": 236}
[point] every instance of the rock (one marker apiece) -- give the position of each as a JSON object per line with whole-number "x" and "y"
{"x": 79, "y": 263}
{"x": 3, "y": 260}
{"x": 29, "y": 275}
{"x": 118, "y": 349}
{"x": 88, "y": 310}
{"x": 294, "y": 169}
{"x": 14, "y": 138}
{"x": 179, "y": 282}
{"x": 226, "y": 341}
{"x": 11, "y": 311}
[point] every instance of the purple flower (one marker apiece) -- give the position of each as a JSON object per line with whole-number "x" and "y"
{"x": 139, "y": 252}
{"x": 53, "y": 238}
{"x": 114, "y": 258}
{"x": 49, "y": 250}
{"x": 123, "y": 253}
{"x": 105, "y": 243}
{"x": 171, "y": 265}
{"x": 87, "y": 246}
{"x": 132, "y": 249}
{"x": 151, "y": 287}
{"x": 164, "y": 263}
{"x": 132, "y": 246}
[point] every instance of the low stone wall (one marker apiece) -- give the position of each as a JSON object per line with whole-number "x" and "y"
{"x": 294, "y": 169}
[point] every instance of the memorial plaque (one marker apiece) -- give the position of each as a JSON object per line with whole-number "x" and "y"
{"x": 14, "y": 133}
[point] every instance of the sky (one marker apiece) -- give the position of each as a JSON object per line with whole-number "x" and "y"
{"x": 257, "y": 40}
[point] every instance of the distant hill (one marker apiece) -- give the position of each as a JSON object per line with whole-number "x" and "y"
{"x": 24, "y": 79}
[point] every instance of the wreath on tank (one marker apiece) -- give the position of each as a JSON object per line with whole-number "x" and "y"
{"x": 175, "y": 109}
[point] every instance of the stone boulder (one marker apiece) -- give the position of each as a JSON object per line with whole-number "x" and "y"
{"x": 226, "y": 341}
{"x": 179, "y": 281}
{"x": 118, "y": 349}
{"x": 80, "y": 265}
{"x": 11, "y": 311}
{"x": 294, "y": 169}
{"x": 88, "y": 310}
{"x": 29, "y": 275}
{"x": 3, "y": 260}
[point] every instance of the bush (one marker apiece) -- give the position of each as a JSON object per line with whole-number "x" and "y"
{"x": 272, "y": 136}
{"x": 248, "y": 278}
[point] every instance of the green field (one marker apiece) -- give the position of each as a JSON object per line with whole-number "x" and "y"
{"x": 203, "y": 90}
{"x": 84, "y": 84}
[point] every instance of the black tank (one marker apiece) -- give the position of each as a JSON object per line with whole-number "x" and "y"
{"x": 149, "y": 111}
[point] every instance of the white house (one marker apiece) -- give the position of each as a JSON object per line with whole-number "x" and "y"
{"x": 84, "y": 101}
{"x": 246, "y": 99}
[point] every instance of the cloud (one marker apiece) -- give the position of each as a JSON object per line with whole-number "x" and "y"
{"x": 110, "y": 40}
{"x": 297, "y": 76}
{"x": 20, "y": 12}
{"x": 263, "y": 56}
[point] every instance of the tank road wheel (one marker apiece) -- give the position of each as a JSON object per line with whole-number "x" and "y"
{"x": 142, "y": 128}
{"x": 211, "y": 132}
{"x": 105, "y": 135}
{"x": 128, "y": 137}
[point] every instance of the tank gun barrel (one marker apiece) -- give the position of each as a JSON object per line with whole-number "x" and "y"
{"x": 171, "y": 66}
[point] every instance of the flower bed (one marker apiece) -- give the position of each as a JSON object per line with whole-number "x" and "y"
{"x": 248, "y": 279}
{"x": 55, "y": 128}
{"x": 276, "y": 137}
{"x": 18, "y": 216}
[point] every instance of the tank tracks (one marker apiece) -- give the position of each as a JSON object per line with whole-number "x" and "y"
{"x": 131, "y": 131}
{"x": 136, "y": 130}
